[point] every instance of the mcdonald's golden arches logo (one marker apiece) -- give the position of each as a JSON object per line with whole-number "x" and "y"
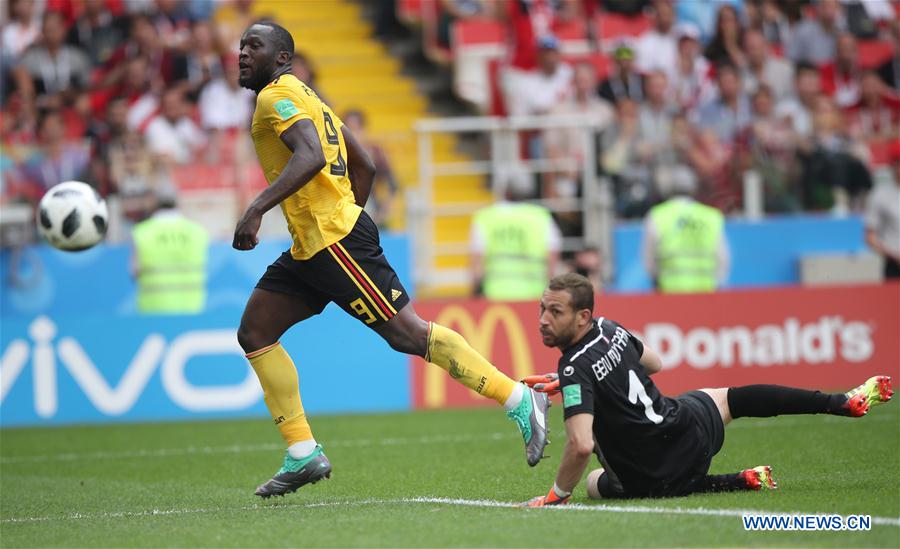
{"x": 481, "y": 335}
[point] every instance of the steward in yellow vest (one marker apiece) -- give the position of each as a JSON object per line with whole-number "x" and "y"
{"x": 515, "y": 247}
{"x": 684, "y": 248}
{"x": 170, "y": 261}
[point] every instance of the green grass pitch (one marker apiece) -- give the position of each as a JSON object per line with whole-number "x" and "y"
{"x": 191, "y": 484}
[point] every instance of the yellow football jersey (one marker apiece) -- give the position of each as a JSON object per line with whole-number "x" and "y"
{"x": 324, "y": 210}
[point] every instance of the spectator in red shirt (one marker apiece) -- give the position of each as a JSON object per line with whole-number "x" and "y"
{"x": 876, "y": 116}
{"x": 841, "y": 79}
{"x": 531, "y": 20}
{"x": 166, "y": 65}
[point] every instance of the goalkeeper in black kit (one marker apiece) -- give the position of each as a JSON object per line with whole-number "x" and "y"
{"x": 651, "y": 445}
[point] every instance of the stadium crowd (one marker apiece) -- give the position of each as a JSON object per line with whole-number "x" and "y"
{"x": 118, "y": 93}
{"x": 804, "y": 93}
{"x": 133, "y": 95}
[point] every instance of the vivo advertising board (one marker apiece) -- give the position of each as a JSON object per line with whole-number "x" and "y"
{"x": 73, "y": 349}
{"x": 89, "y": 369}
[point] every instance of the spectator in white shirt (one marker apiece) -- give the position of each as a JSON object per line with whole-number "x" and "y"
{"x": 798, "y": 110}
{"x": 172, "y": 134}
{"x": 536, "y": 92}
{"x": 691, "y": 81}
{"x": 22, "y": 28}
{"x": 656, "y": 49}
{"x": 224, "y": 104}
{"x": 763, "y": 68}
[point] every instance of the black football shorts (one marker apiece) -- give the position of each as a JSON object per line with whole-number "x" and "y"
{"x": 352, "y": 272}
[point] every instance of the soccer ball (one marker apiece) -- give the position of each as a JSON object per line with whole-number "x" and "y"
{"x": 72, "y": 216}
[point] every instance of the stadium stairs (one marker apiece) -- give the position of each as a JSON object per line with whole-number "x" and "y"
{"x": 355, "y": 71}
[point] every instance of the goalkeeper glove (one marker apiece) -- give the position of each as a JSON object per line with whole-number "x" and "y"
{"x": 550, "y": 499}
{"x": 544, "y": 383}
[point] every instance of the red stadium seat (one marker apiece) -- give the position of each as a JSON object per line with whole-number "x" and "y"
{"x": 200, "y": 177}
{"x": 410, "y": 11}
{"x": 609, "y": 27}
{"x": 873, "y": 53}
{"x": 881, "y": 151}
{"x": 252, "y": 178}
{"x": 477, "y": 31}
{"x": 498, "y": 105}
{"x": 573, "y": 37}
{"x": 475, "y": 42}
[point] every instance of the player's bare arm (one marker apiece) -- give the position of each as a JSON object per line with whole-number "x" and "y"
{"x": 361, "y": 166}
{"x": 576, "y": 455}
{"x": 650, "y": 361}
{"x": 307, "y": 160}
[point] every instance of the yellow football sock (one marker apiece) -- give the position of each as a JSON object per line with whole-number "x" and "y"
{"x": 452, "y": 352}
{"x": 281, "y": 391}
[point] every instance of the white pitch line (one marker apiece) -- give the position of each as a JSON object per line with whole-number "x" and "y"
{"x": 575, "y": 507}
{"x": 265, "y": 447}
{"x": 361, "y": 442}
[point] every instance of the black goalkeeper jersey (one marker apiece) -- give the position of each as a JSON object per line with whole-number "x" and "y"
{"x": 649, "y": 441}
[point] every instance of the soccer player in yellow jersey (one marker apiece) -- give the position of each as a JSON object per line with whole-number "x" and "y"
{"x": 321, "y": 177}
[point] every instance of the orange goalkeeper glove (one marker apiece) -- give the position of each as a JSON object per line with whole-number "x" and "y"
{"x": 550, "y": 499}
{"x": 543, "y": 383}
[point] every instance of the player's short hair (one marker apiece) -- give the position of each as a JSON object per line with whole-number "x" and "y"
{"x": 283, "y": 39}
{"x": 578, "y": 286}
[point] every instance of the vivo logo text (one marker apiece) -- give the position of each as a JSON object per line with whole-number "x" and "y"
{"x": 48, "y": 356}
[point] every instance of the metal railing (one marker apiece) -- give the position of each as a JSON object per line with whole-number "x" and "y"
{"x": 503, "y": 164}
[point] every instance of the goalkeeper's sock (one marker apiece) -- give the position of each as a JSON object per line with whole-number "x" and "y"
{"x": 452, "y": 352}
{"x": 281, "y": 391}
{"x": 721, "y": 483}
{"x": 774, "y": 400}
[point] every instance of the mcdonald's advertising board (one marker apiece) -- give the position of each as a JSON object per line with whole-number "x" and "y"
{"x": 822, "y": 338}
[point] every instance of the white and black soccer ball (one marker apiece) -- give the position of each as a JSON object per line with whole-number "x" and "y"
{"x": 72, "y": 216}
